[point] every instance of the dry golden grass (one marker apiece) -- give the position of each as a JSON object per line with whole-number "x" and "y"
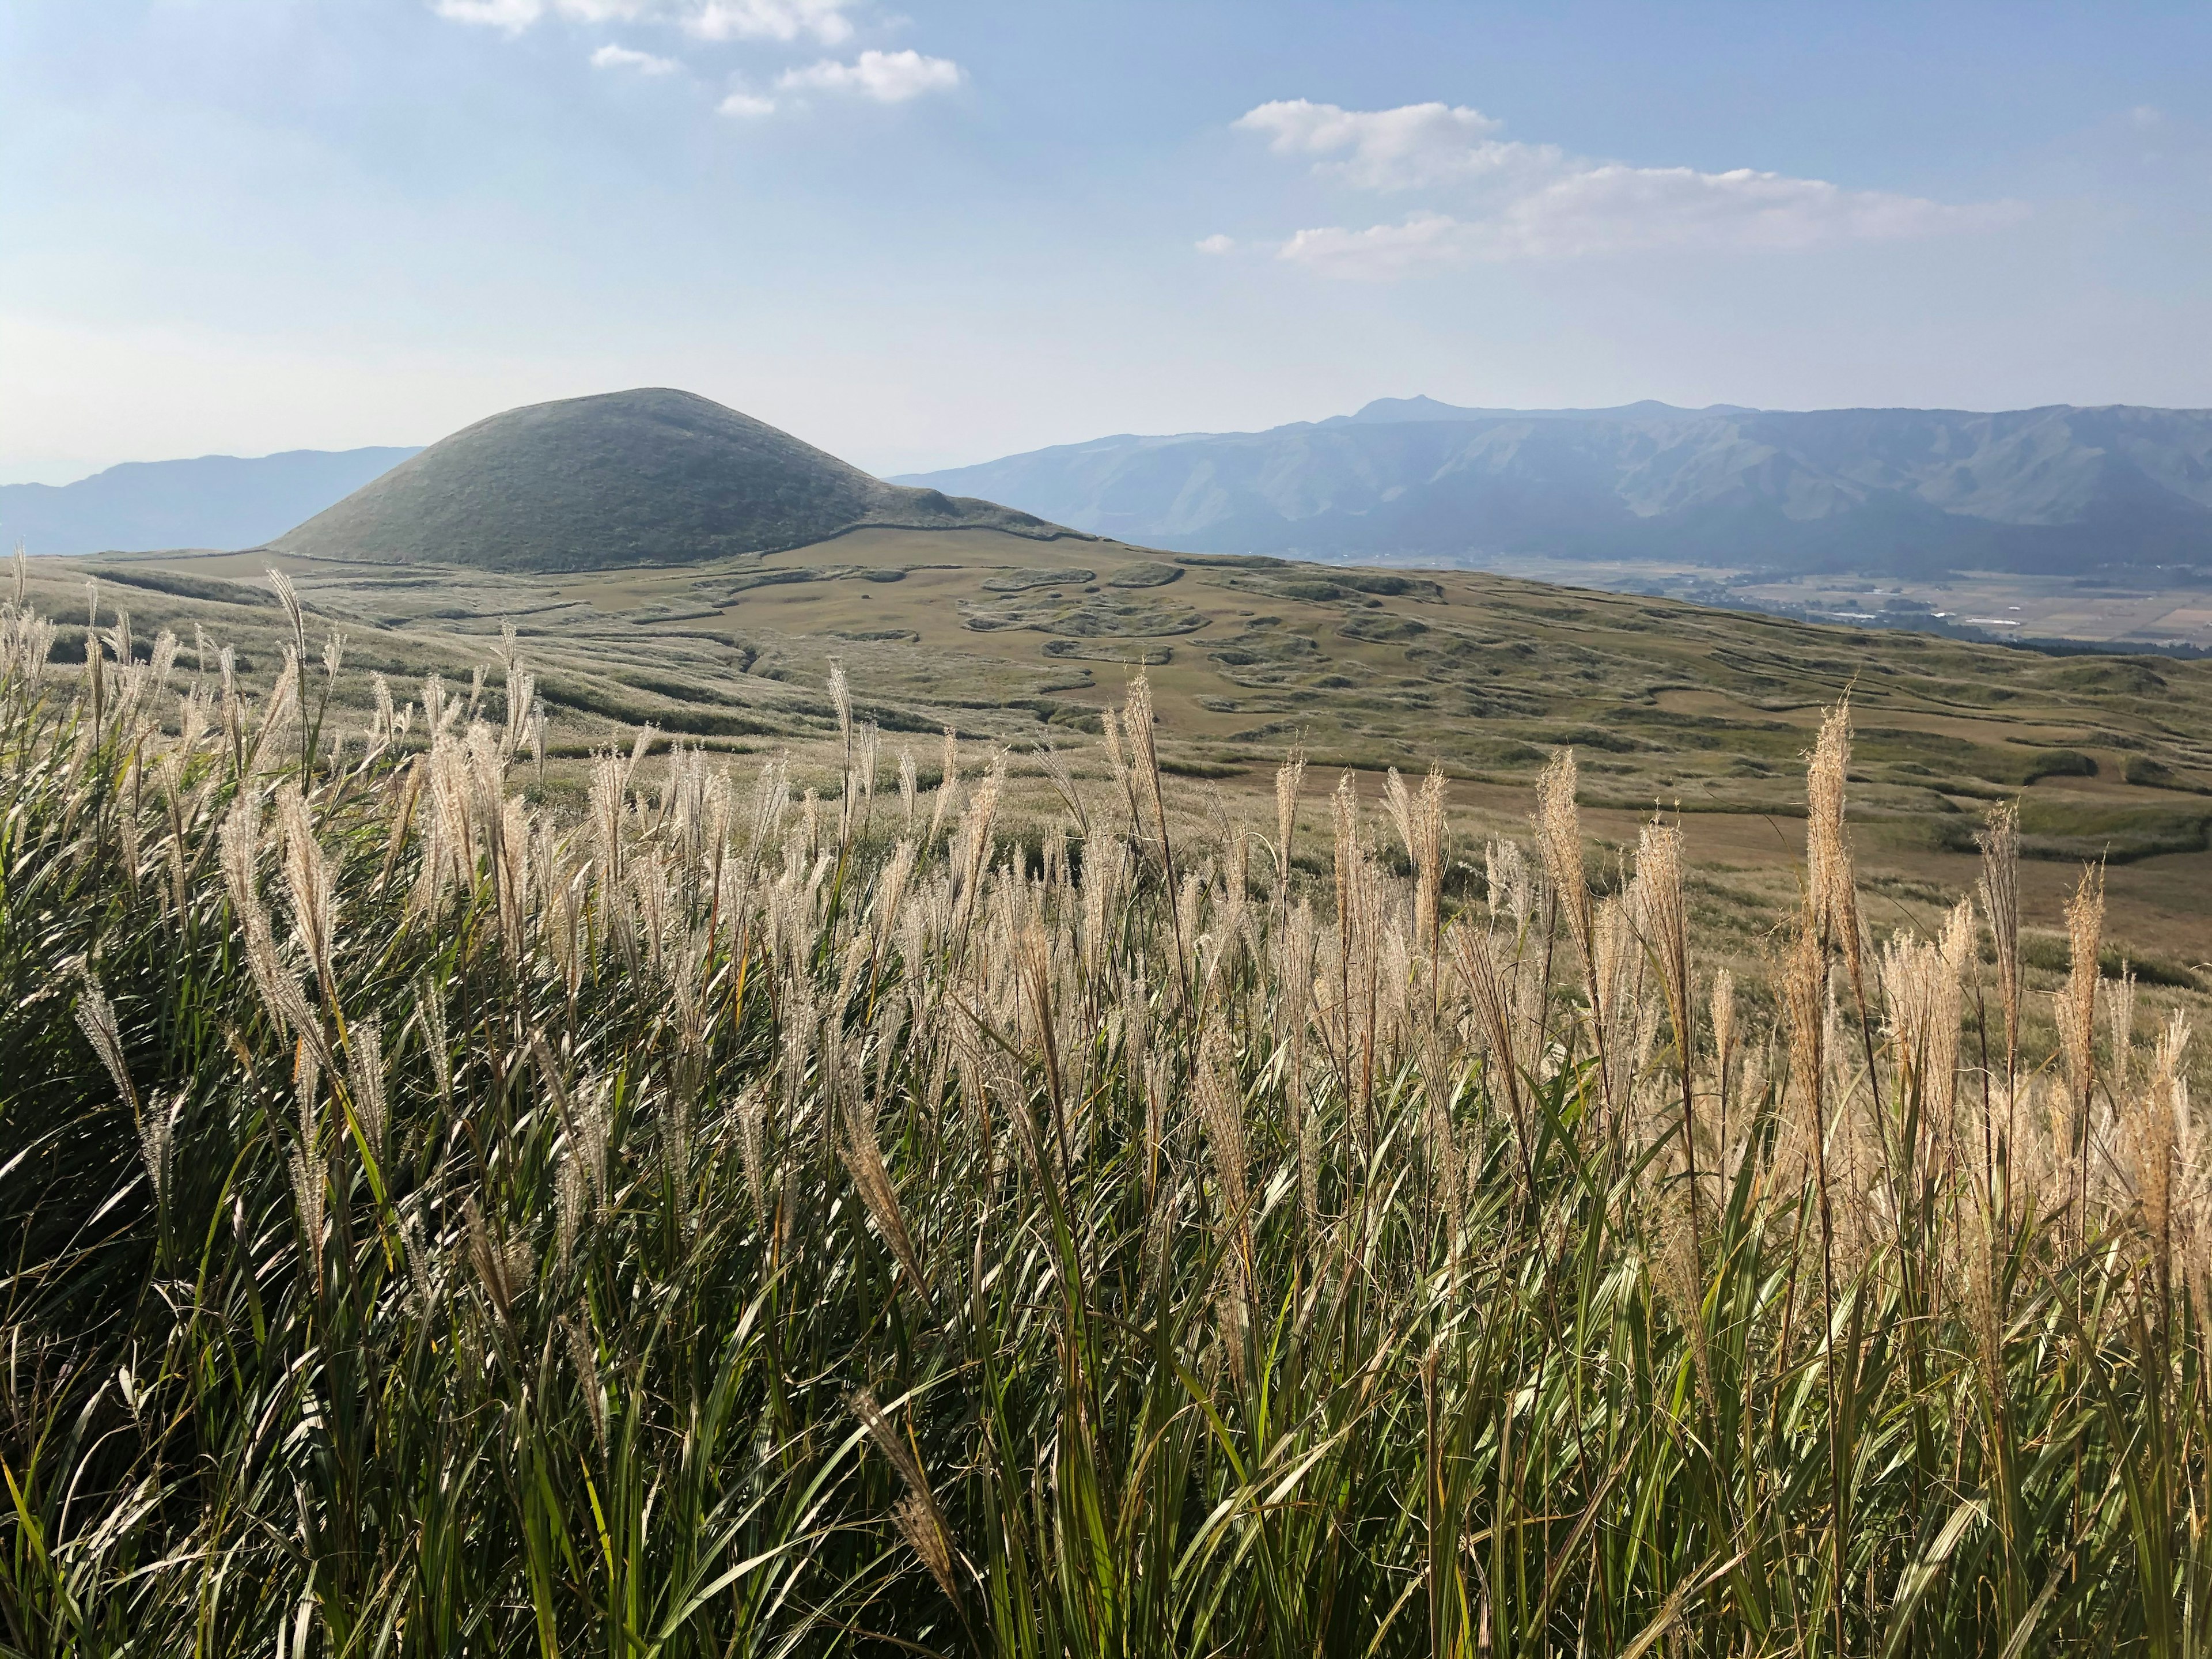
{"x": 703, "y": 1215}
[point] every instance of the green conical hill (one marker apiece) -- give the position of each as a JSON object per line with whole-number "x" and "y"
{"x": 649, "y": 477}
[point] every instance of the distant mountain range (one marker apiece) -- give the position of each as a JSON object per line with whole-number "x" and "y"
{"x": 656, "y": 476}
{"x": 647, "y": 476}
{"x": 1897, "y": 491}
{"x": 217, "y": 500}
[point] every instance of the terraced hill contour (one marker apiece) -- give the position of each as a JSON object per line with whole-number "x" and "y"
{"x": 647, "y": 476}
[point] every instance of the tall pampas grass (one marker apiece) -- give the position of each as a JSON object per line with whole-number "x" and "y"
{"x": 440, "y": 1220}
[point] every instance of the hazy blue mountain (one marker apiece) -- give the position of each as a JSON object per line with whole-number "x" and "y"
{"x": 217, "y": 500}
{"x": 1902, "y": 491}
{"x": 1384, "y": 410}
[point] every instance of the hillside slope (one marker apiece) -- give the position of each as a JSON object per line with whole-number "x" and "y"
{"x": 648, "y": 477}
{"x": 1905, "y": 492}
{"x": 1017, "y": 642}
{"x": 216, "y": 501}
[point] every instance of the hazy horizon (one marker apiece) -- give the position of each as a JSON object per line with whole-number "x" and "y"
{"x": 956, "y": 466}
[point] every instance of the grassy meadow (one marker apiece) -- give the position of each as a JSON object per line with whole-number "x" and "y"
{"x": 462, "y": 1197}
{"x": 1019, "y": 643}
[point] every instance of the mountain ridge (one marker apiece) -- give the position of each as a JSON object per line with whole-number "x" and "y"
{"x": 1903, "y": 492}
{"x": 205, "y": 501}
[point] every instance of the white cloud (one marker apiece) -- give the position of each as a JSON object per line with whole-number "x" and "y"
{"x": 769, "y": 20}
{"x": 1516, "y": 201}
{"x": 746, "y": 106}
{"x": 888, "y": 77}
{"x": 1216, "y": 244}
{"x": 1425, "y": 241}
{"x": 1620, "y": 209}
{"x": 1389, "y": 149}
{"x": 2146, "y": 116}
{"x": 820, "y": 20}
{"x": 618, "y": 57}
{"x": 494, "y": 14}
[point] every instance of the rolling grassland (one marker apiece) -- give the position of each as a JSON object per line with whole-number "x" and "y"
{"x": 1019, "y": 643}
{"x": 462, "y": 1199}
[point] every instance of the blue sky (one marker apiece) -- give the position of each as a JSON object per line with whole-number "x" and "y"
{"x": 923, "y": 234}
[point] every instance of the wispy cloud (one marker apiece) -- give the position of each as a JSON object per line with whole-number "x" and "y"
{"x": 1505, "y": 199}
{"x": 1216, "y": 244}
{"x": 888, "y": 78}
{"x": 885, "y": 77}
{"x": 769, "y": 20}
{"x": 622, "y": 58}
{"x": 1389, "y": 149}
{"x": 491, "y": 14}
{"x": 820, "y": 20}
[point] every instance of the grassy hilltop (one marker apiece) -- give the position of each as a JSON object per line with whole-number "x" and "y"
{"x": 625, "y": 477}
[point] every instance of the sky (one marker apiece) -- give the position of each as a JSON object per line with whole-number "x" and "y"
{"x": 925, "y": 233}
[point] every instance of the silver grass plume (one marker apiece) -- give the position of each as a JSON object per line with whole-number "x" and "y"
{"x": 1136, "y": 724}
{"x": 420, "y": 1278}
{"x": 1447, "y": 1170}
{"x": 1832, "y": 886}
{"x": 95, "y": 1017}
{"x": 840, "y": 698}
{"x": 1511, "y": 884}
{"x": 917, "y": 1517}
{"x": 2159, "y": 1130}
{"x": 571, "y": 1198}
{"x": 2000, "y": 892}
{"x": 948, "y": 786}
{"x": 2120, "y": 1022}
{"x": 1064, "y": 785}
{"x": 752, "y": 1147}
{"x": 972, "y": 852}
{"x": 1721, "y": 1017}
{"x": 1678, "y": 1273}
{"x": 1429, "y": 860}
{"x": 504, "y": 1270}
{"x": 1667, "y": 918}
{"x": 1804, "y": 989}
{"x": 364, "y": 1044}
{"x": 1289, "y": 779}
{"x": 864, "y": 1160}
{"x": 1399, "y": 800}
{"x": 308, "y": 884}
{"x": 1221, "y": 1108}
{"x": 867, "y": 760}
{"x": 583, "y": 1354}
{"x": 156, "y": 1135}
{"x": 594, "y": 1132}
{"x": 381, "y": 730}
{"x": 1486, "y": 977}
{"x": 2076, "y": 1011}
{"x": 890, "y": 889}
{"x": 310, "y": 1170}
{"x": 430, "y": 1013}
{"x": 1559, "y": 840}
{"x": 287, "y": 1004}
